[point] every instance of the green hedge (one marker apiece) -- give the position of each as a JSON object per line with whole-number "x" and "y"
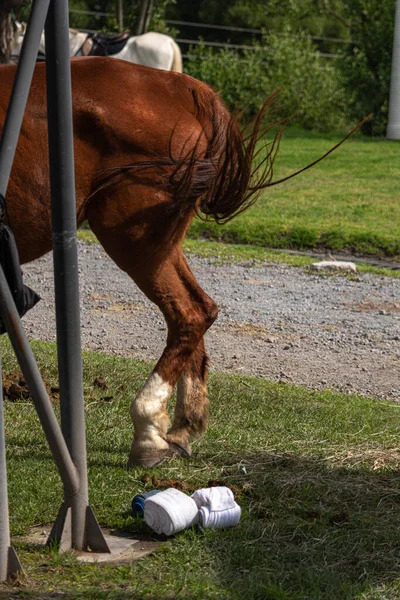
{"x": 309, "y": 86}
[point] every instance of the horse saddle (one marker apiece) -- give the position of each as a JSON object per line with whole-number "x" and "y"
{"x": 105, "y": 45}
{"x": 23, "y": 296}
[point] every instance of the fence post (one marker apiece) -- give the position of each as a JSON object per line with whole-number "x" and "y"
{"x": 121, "y": 14}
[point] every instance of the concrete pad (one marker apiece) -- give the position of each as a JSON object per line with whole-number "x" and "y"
{"x": 124, "y": 548}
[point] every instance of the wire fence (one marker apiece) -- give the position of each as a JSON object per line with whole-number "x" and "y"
{"x": 95, "y": 13}
{"x": 253, "y": 31}
{"x": 186, "y": 42}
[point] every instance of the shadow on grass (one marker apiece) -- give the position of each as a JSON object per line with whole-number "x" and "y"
{"x": 309, "y": 530}
{"x": 93, "y": 594}
{"x": 312, "y": 529}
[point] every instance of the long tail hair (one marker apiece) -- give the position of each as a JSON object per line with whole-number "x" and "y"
{"x": 237, "y": 166}
{"x": 229, "y": 176}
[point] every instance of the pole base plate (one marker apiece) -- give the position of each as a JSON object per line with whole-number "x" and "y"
{"x": 14, "y": 568}
{"x": 61, "y": 535}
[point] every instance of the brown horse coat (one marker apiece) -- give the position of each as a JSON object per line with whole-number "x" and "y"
{"x": 151, "y": 148}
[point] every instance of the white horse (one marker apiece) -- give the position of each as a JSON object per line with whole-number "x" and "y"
{"x": 151, "y": 49}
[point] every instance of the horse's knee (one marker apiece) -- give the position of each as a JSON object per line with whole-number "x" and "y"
{"x": 211, "y": 312}
{"x": 194, "y": 323}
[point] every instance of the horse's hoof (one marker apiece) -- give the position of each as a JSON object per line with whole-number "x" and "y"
{"x": 153, "y": 458}
{"x": 148, "y": 460}
{"x": 183, "y": 446}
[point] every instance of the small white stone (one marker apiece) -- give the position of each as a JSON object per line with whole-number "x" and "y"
{"x": 335, "y": 265}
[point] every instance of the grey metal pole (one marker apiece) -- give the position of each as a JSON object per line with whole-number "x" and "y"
{"x": 8, "y": 144}
{"x": 4, "y": 523}
{"x": 9, "y": 563}
{"x": 10, "y": 317}
{"x": 393, "y": 128}
{"x": 65, "y": 256}
{"x": 71, "y": 466}
{"x": 19, "y": 95}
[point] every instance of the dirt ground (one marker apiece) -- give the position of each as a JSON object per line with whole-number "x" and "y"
{"x": 278, "y": 322}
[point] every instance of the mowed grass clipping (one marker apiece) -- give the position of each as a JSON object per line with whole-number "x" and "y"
{"x": 317, "y": 476}
{"x": 348, "y": 202}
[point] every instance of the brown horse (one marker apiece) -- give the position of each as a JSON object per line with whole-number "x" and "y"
{"x": 152, "y": 148}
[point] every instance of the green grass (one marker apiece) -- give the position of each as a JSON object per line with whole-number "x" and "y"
{"x": 315, "y": 473}
{"x": 349, "y": 201}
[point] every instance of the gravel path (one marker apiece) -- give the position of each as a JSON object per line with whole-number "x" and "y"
{"x": 275, "y": 321}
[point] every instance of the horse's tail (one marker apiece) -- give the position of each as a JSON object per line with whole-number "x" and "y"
{"x": 177, "y": 58}
{"x": 236, "y": 167}
{"x": 233, "y": 171}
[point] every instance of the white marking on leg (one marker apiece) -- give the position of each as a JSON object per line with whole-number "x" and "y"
{"x": 149, "y": 413}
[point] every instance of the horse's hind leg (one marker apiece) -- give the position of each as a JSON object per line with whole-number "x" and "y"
{"x": 162, "y": 273}
{"x": 189, "y": 312}
{"x": 191, "y": 410}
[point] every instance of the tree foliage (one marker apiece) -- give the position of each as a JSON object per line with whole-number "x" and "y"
{"x": 103, "y": 14}
{"x": 313, "y": 17}
{"x": 366, "y": 64}
{"x": 310, "y": 93}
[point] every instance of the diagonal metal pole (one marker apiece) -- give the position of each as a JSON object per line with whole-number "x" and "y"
{"x": 10, "y": 317}
{"x": 9, "y": 563}
{"x": 19, "y": 95}
{"x": 84, "y": 532}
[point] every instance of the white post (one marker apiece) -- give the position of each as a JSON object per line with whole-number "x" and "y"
{"x": 393, "y": 128}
